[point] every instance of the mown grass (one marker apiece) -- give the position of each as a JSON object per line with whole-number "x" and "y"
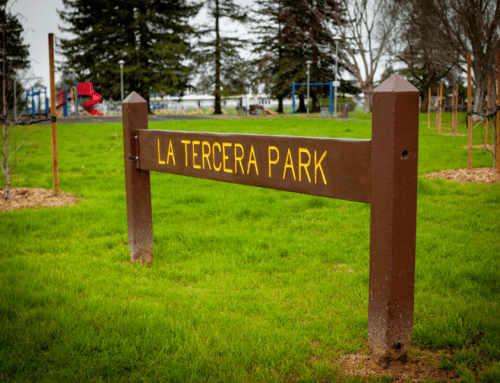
{"x": 248, "y": 284}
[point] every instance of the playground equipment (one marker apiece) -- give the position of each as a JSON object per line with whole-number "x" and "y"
{"x": 61, "y": 101}
{"x": 254, "y": 109}
{"x": 163, "y": 111}
{"x": 195, "y": 113}
{"x": 82, "y": 89}
{"x": 313, "y": 83}
{"x": 36, "y": 108}
{"x": 86, "y": 89}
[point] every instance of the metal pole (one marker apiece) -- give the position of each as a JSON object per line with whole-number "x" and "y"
{"x": 308, "y": 76}
{"x": 308, "y": 62}
{"x": 121, "y": 62}
{"x": 331, "y": 98}
{"x": 121, "y": 79}
{"x": 336, "y": 78}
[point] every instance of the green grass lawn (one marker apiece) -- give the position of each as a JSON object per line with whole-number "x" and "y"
{"x": 247, "y": 284}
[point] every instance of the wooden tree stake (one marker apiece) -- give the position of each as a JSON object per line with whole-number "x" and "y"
{"x": 452, "y": 110}
{"x": 498, "y": 112}
{"x": 456, "y": 111}
{"x": 55, "y": 160}
{"x": 488, "y": 112}
{"x": 469, "y": 108}
{"x": 429, "y": 109}
{"x": 440, "y": 106}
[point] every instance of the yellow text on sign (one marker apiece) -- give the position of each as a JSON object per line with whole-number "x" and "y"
{"x": 220, "y": 156}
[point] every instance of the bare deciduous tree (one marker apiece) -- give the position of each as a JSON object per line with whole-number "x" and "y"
{"x": 364, "y": 32}
{"x": 16, "y": 144}
{"x": 462, "y": 26}
{"x": 425, "y": 62}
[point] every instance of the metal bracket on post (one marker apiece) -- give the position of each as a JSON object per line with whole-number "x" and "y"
{"x": 137, "y": 181}
{"x": 393, "y": 219}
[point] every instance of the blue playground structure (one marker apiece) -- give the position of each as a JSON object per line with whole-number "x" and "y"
{"x": 313, "y": 83}
{"x": 156, "y": 105}
{"x": 65, "y": 106}
{"x": 36, "y": 109}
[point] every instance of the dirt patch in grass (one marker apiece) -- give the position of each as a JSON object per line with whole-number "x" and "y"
{"x": 479, "y": 175}
{"x": 421, "y": 366}
{"x": 27, "y": 198}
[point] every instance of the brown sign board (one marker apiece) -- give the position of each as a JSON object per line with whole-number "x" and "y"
{"x": 335, "y": 168}
{"x": 381, "y": 171}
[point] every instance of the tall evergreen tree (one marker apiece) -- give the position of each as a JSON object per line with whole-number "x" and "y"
{"x": 276, "y": 66}
{"x": 288, "y": 38}
{"x": 219, "y": 54}
{"x": 14, "y": 54}
{"x": 151, "y": 36}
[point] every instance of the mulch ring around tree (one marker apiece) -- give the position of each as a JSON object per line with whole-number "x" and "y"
{"x": 33, "y": 198}
{"x": 422, "y": 365}
{"x": 478, "y": 175}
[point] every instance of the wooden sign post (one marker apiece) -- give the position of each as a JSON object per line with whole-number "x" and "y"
{"x": 381, "y": 171}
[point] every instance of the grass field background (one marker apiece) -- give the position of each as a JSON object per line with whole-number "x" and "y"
{"x": 247, "y": 284}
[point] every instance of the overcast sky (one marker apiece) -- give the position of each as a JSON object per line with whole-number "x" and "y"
{"x": 39, "y": 18}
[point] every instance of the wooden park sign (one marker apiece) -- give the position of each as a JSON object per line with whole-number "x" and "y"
{"x": 381, "y": 171}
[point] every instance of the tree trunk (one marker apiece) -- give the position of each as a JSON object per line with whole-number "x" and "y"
{"x": 424, "y": 102}
{"x": 280, "y": 59}
{"x": 280, "y": 104}
{"x": 367, "y": 89}
{"x": 302, "y": 104}
{"x": 479, "y": 97}
{"x": 217, "y": 107}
